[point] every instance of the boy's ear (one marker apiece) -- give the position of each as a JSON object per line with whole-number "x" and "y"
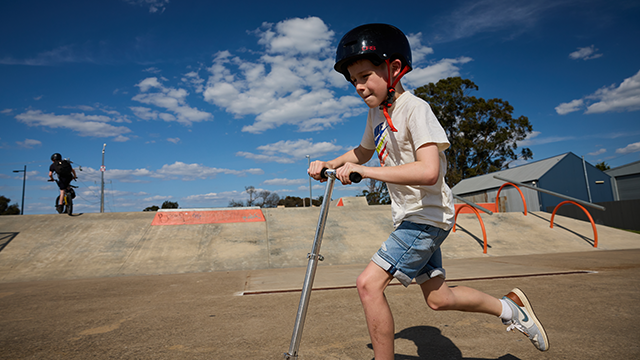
{"x": 396, "y": 67}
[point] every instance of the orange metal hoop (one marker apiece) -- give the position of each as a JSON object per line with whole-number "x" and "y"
{"x": 484, "y": 232}
{"x": 522, "y": 196}
{"x": 593, "y": 224}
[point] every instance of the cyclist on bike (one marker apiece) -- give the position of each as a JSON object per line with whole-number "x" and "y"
{"x": 65, "y": 172}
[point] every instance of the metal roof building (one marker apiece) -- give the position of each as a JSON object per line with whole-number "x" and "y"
{"x": 627, "y": 181}
{"x": 566, "y": 174}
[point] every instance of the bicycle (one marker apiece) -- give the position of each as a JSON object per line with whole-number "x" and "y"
{"x": 67, "y": 201}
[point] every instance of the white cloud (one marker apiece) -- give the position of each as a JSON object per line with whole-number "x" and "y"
{"x": 177, "y": 170}
{"x": 290, "y": 151}
{"x": 171, "y": 99}
{"x": 62, "y": 54}
{"x": 285, "y": 182}
{"x": 6, "y": 111}
{"x": 625, "y": 97}
{"x": 154, "y": 5}
{"x": 296, "y": 36}
{"x": 85, "y": 125}
{"x": 534, "y": 138}
{"x": 122, "y": 175}
{"x": 474, "y": 17}
{"x": 158, "y": 198}
{"x": 93, "y": 190}
{"x": 29, "y": 143}
{"x": 193, "y": 78}
{"x": 223, "y": 197}
{"x": 631, "y": 148}
{"x": 431, "y": 74}
{"x": 569, "y": 107}
{"x": 174, "y": 140}
{"x": 419, "y": 52}
{"x": 598, "y": 152}
{"x": 291, "y": 83}
{"x": 585, "y": 53}
{"x": 198, "y": 171}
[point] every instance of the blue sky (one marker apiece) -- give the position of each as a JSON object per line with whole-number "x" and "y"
{"x": 198, "y": 99}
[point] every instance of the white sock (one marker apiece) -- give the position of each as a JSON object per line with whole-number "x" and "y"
{"x": 507, "y": 314}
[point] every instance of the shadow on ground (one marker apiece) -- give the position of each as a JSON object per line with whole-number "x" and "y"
{"x": 432, "y": 345}
{"x": 5, "y": 238}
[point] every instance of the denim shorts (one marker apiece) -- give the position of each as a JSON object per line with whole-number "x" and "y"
{"x": 412, "y": 251}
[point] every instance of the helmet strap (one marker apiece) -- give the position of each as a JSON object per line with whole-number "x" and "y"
{"x": 391, "y": 93}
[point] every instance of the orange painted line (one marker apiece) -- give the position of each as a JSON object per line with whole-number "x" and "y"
{"x": 465, "y": 210}
{"x": 207, "y": 217}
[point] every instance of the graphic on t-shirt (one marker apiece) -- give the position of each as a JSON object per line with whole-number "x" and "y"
{"x": 381, "y": 132}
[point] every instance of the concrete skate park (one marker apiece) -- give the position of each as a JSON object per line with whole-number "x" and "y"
{"x": 225, "y": 283}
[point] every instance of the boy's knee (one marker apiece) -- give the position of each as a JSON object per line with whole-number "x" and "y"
{"x": 367, "y": 287}
{"x": 436, "y": 302}
{"x": 362, "y": 284}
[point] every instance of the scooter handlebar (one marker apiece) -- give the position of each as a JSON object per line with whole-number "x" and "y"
{"x": 354, "y": 176}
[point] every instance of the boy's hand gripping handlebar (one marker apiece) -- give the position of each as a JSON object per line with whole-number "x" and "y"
{"x": 354, "y": 176}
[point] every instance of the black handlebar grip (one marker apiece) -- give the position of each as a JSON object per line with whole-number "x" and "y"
{"x": 355, "y": 177}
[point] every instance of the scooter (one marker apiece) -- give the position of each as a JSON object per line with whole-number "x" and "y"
{"x": 314, "y": 256}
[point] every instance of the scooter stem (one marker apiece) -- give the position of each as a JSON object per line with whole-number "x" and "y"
{"x": 314, "y": 257}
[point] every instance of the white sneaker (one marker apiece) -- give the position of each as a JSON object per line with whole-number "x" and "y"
{"x": 524, "y": 320}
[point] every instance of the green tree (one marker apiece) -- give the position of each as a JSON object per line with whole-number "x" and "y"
{"x": 291, "y": 201}
{"x": 268, "y": 199}
{"x": 262, "y": 198}
{"x": 170, "y": 205}
{"x": 234, "y": 203}
{"x": 483, "y": 134}
{"x": 6, "y": 209}
{"x": 151, "y": 208}
{"x": 603, "y": 166}
{"x": 376, "y": 193}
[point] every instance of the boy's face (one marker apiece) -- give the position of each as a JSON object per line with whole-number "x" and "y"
{"x": 370, "y": 81}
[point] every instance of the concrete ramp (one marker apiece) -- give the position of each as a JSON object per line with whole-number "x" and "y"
{"x": 49, "y": 247}
{"x": 354, "y": 201}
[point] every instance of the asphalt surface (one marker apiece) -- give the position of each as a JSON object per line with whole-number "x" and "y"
{"x": 587, "y": 315}
{"x": 117, "y": 287}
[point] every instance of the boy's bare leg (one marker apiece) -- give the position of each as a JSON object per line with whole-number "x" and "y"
{"x": 61, "y": 202}
{"x": 440, "y": 296}
{"x": 371, "y": 285}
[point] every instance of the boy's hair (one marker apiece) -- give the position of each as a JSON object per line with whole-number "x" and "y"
{"x": 376, "y": 42}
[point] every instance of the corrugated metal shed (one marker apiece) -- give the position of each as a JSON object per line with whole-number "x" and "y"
{"x": 523, "y": 173}
{"x": 566, "y": 175}
{"x": 628, "y": 169}
{"x": 627, "y": 181}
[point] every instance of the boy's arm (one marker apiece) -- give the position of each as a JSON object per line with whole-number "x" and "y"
{"x": 424, "y": 171}
{"x": 358, "y": 155}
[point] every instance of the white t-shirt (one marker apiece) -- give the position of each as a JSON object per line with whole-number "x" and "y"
{"x": 417, "y": 125}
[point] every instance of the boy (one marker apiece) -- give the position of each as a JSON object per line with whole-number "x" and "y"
{"x": 65, "y": 174}
{"x": 410, "y": 144}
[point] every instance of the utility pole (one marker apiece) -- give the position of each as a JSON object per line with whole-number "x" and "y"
{"x": 310, "y": 202}
{"x": 102, "y": 170}
{"x": 24, "y": 180}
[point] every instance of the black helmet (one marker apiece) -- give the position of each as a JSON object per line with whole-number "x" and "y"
{"x": 376, "y": 42}
{"x": 56, "y": 157}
